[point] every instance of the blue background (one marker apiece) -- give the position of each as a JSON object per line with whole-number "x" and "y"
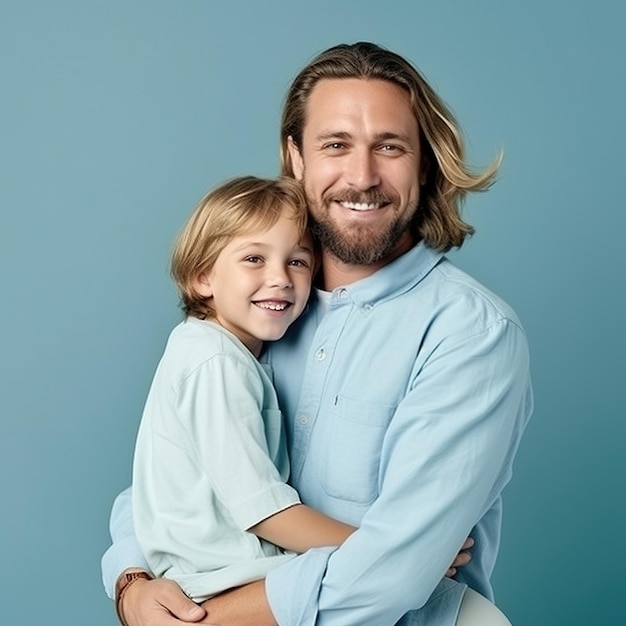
{"x": 117, "y": 115}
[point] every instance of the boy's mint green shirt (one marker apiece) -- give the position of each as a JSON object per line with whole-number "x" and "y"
{"x": 210, "y": 462}
{"x": 405, "y": 398}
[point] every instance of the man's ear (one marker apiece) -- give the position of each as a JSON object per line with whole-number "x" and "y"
{"x": 297, "y": 164}
{"x": 202, "y": 285}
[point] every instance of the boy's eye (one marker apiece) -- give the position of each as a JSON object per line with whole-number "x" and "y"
{"x": 253, "y": 259}
{"x": 299, "y": 262}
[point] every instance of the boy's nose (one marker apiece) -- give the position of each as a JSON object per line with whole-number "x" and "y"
{"x": 278, "y": 276}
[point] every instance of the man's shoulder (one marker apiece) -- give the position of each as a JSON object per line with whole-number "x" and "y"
{"x": 461, "y": 291}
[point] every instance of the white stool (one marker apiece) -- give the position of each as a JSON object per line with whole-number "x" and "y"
{"x": 478, "y": 611}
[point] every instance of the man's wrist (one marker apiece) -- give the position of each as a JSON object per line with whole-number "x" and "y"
{"x": 125, "y": 580}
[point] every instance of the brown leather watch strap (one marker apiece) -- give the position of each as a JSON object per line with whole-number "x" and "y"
{"x": 125, "y": 580}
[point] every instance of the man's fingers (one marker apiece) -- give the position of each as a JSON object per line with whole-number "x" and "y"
{"x": 179, "y": 605}
{"x": 158, "y": 602}
{"x": 469, "y": 542}
{"x": 461, "y": 559}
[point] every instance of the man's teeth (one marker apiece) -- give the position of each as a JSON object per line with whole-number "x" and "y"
{"x": 360, "y": 206}
{"x": 273, "y": 306}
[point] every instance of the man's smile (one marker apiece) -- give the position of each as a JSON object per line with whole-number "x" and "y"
{"x": 361, "y": 206}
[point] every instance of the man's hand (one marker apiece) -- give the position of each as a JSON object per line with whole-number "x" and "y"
{"x": 240, "y": 607}
{"x": 159, "y": 602}
{"x": 461, "y": 559}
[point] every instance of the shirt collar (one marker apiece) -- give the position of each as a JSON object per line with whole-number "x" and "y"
{"x": 396, "y": 277}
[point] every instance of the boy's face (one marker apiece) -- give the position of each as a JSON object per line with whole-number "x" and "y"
{"x": 260, "y": 283}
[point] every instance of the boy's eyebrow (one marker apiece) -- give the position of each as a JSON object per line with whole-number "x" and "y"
{"x": 263, "y": 244}
{"x": 305, "y": 248}
{"x": 250, "y": 244}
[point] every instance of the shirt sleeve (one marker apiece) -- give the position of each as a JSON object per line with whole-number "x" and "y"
{"x": 446, "y": 456}
{"x": 124, "y": 551}
{"x": 222, "y": 406}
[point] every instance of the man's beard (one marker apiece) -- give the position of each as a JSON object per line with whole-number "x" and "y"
{"x": 360, "y": 244}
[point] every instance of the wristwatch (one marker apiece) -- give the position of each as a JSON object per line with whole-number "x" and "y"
{"x": 123, "y": 582}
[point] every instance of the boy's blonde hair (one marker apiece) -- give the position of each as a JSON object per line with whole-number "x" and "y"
{"x": 239, "y": 206}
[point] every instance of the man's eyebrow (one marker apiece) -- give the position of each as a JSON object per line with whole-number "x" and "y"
{"x": 333, "y": 134}
{"x": 382, "y": 136}
{"x": 386, "y": 136}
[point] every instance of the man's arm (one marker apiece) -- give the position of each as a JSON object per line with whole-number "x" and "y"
{"x": 124, "y": 552}
{"x": 149, "y": 602}
{"x": 248, "y": 604}
{"x": 162, "y": 603}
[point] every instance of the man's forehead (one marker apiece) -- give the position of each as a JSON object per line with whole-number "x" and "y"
{"x": 333, "y": 101}
{"x": 350, "y": 83}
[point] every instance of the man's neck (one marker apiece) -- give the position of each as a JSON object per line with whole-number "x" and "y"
{"x": 336, "y": 273}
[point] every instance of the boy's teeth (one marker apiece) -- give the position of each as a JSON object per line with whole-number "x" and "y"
{"x": 272, "y": 305}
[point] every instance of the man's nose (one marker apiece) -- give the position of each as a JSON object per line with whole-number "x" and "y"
{"x": 362, "y": 170}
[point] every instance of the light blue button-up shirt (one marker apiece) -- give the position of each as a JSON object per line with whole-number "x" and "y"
{"x": 405, "y": 397}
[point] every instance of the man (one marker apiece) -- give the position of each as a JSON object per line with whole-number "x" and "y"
{"x": 405, "y": 387}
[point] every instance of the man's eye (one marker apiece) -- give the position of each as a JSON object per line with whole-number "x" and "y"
{"x": 335, "y": 145}
{"x": 390, "y": 148}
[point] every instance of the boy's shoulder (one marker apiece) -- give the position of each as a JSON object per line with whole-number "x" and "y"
{"x": 196, "y": 339}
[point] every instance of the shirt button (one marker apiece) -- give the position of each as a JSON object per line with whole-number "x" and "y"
{"x": 343, "y": 293}
{"x": 303, "y": 420}
{"x": 320, "y": 355}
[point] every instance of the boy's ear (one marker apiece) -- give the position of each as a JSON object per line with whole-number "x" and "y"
{"x": 297, "y": 164}
{"x": 202, "y": 285}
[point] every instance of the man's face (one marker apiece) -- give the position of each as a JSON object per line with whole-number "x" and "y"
{"x": 360, "y": 164}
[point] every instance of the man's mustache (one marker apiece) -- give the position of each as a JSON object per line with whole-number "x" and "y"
{"x": 372, "y": 196}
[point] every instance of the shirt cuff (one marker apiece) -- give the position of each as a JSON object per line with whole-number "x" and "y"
{"x": 293, "y": 589}
{"x": 260, "y": 506}
{"x": 123, "y": 554}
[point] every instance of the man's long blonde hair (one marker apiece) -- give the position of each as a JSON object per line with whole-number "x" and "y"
{"x": 448, "y": 178}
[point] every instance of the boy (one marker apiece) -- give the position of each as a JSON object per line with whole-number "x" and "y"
{"x": 211, "y": 505}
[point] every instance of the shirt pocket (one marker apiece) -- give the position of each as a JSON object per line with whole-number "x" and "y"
{"x": 351, "y": 460}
